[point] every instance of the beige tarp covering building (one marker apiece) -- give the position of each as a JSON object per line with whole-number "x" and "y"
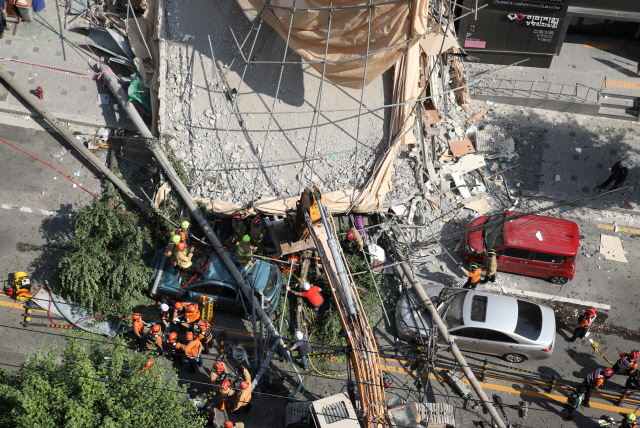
{"x": 348, "y": 38}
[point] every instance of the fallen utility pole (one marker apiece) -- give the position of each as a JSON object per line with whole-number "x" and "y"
{"x": 71, "y": 139}
{"x": 435, "y": 316}
{"x": 161, "y": 159}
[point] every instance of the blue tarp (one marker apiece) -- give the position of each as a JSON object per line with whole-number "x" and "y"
{"x": 38, "y": 5}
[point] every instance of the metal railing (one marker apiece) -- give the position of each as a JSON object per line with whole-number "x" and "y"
{"x": 534, "y": 89}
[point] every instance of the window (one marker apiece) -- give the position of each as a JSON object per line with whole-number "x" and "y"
{"x": 496, "y": 336}
{"x": 516, "y": 253}
{"x": 272, "y": 281}
{"x": 452, "y": 311}
{"x": 470, "y": 333}
{"x": 549, "y": 258}
{"x": 479, "y": 308}
{"x": 529, "y": 323}
{"x": 207, "y": 289}
{"x": 493, "y": 233}
{"x": 227, "y": 293}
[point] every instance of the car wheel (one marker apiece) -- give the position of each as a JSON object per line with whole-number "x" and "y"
{"x": 559, "y": 280}
{"x": 514, "y": 358}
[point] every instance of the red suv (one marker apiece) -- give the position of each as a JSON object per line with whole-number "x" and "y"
{"x": 533, "y": 245}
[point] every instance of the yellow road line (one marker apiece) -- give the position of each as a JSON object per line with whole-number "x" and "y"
{"x": 601, "y": 45}
{"x": 621, "y": 229}
{"x": 621, "y": 84}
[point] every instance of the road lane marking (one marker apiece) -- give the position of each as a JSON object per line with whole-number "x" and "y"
{"x": 621, "y": 229}
{"x": 543, "y": 296}
{"x": 33, "y": 210}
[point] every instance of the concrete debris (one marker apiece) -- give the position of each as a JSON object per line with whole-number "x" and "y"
{"x": 477, "y": 203}
{"x": 467, "y": 164}
{"x": 399, "y": 210}
{"x": 461, "y": 184}
{"x": 611, "y": 248}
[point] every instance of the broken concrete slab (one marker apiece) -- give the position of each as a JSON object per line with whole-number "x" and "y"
{"x": 611, "y": 248}
{"x": 466, "y": 164}
{"x": 477, "y": 203}
{"x": 460, "y": 184}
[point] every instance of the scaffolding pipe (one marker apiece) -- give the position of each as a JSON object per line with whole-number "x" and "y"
{"x": 426, "y": 301}
{"x": 71, "y": 139}
{"x": 177, "y": 184}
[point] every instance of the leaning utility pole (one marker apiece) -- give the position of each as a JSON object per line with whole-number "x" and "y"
{"x": 405, "y": 270}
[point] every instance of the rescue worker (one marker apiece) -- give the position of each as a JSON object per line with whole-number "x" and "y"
{"x": 237, "y": 225}
{"x": 193, "y": 351}
{"x": 574, "y": 400}
{"x": 312, "y": 293}
{"x": 490, "y": 266}
{"x": 182, "y": 260}
{"x": 231, "y": 243}
{"x": 594, "y": 380}
{"x": 584, "y": 324}
{"x": 165, "y": 317}
{"x": 219, "y": 372}
{"x": 257, "y": 236}
{"x": 175, "y": 240}
{"x": 229, "y": 424}
{"x": 354, "y": 236}
{"x": 175, "y": 347}
{"x": 619, "y": 174}
{"x": 138, "y": 328}
{"x": 629, "y": 421}
{"x": 627, "y": 364}
{"x": 303, "y": 346}
{"x": 242, "y": 396}
{"x": 474, "y": 274}
{"x": 205, "y": 335}
{"x": 243, "y": 253}
{"x": 153, "y": 337}
{"x": 177, "y": 316}
{"x": 191, "y": 316}
{"x": 193, "y": 395}
{"x": 633, "y": 383}
{"x": 225, "y": 393}
{"x": 184, "y": 228}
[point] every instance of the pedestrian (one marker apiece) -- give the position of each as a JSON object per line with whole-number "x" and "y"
{"x": 237, "y": 225}
{"x": 490, "y": 266}
{"x": 191, "y": 316}
{"x": 181, "y": 259}
{"x": 229, "y": 424}
{"x": 224, "y": 394}
{"x": 619, "y": 172}
{"x": 153, "y": 337}
{"x": 574, "y": 400}
{"x": 243, "y": 253}
{"x": 257, "y": 235}
{"x": 629, "y": 421}
{"x": 474, "y": 274}
{"x": 594, "y": 380}
{"x": 312, "y": 293}
{"x": 138, "y": 328}
{"x": 193, "y": 351}
{"x": 174, "y": 346}
{"x": 205, "y": 335}
{"x": 242, "y": 396}
{"x": 303, "y": 346}
{"x": 584, "y": 324}
{"x": 354, "y": 236}
{"x": 219, "y": 372}
{"x": 173, "y": 242}
{"x": 3, "y": 21}
{"x": 627, "y": 364}
{"x": 177, "y": 314}
{"x": 633, "y": 383}
{"x": 231, "y": 244}
{"x": 165, "y": 317}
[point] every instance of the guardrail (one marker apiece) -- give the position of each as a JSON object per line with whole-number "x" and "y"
{"x": 536, "y": 89}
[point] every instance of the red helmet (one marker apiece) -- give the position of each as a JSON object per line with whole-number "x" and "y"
{"x": 219, "y": 367}
{"x": 244, "y": 385}
{"x": 189, "y": 336}
{"x": 608, "y": 372}
{"x": 202, "y": 325}
{"x": 156, "y": 328}
{"x": 233, "y": 239}
{"x": 228, "y": 424}
{"x": 237, "y": 216}
{"x": 182, "y": 246}
{"x": 192, "y": 308}
{"x": 256, "y": 221}
{"x": 635, "y": 355}
{"x": 173, "y": 336}
{"x": 178, "y": 306}
{"x": 351, "y": 235}
{"x": 226, "y": 384}
{"x": 137, "y": 316}
{"x": 592, "y": 311}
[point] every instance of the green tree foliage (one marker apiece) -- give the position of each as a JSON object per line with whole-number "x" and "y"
{"x": 105, "y": 269}
{"x": 52, "y": 392}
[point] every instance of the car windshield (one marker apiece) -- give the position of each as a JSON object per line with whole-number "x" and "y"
{"x": 451, "y": 309}
{"x": 529, "y": 323}
{"x": 272, "y": 281}
{"x": 493, "y": 234}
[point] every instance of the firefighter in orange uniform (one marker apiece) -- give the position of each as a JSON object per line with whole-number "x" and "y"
{"x": 193, "y": 351}
{"x": 205, "y": 335}
{"x": 192, "y": 315}
{"x": 242, "y": 397}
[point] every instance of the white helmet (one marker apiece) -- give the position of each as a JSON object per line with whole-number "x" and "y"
{"x": 299, "y": 335}
{"x": 624, "y": 164}
{"x": 164, "y": 307}
{"x": 306, "y": 286}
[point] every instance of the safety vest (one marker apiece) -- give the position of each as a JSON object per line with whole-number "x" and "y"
{"x": 207, "y": 335}
{"x": 174, "y": 346}
{"x": 176, "y": 315}
{"x": 192, "y": 316}
{"x": 595, "y": 375}
{"x": 152, "y": 339}
{"x": 625, "y": 363}
{"x": 589, "y": 319}
{"x": 138, "y": 326}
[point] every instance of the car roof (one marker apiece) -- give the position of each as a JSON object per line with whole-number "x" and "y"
{"x": 502, "y": 312}
{"x": 558, "y": 235}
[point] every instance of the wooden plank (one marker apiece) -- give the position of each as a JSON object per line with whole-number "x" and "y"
{"x": 627, "y": 203}
{"x": 477, "y": 116}
{"x": 429, "y": 114}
